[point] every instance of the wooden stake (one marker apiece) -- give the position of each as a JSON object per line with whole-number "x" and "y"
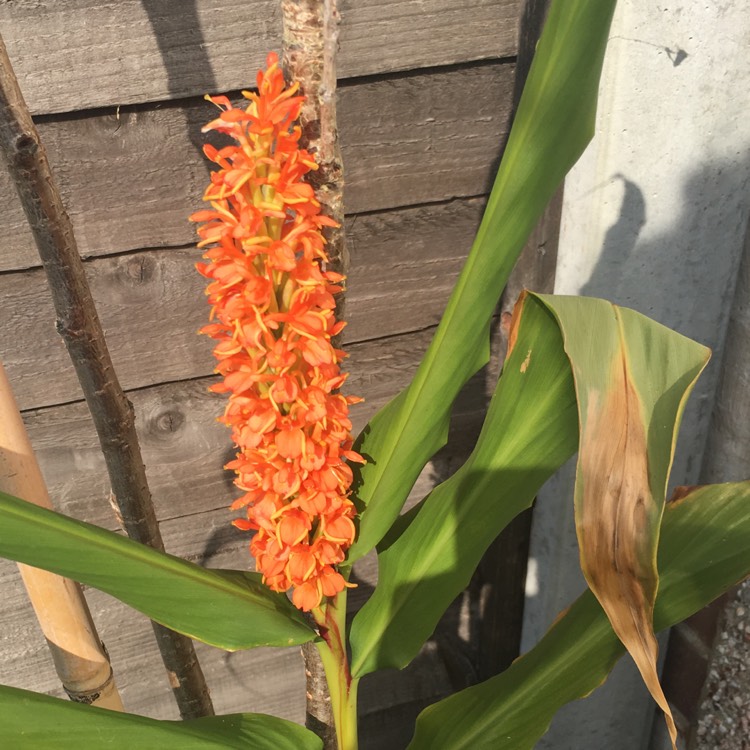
{"x": 309, "y": 57}
{"x": 311, "y": 33}
{"x": 80, "y": 658}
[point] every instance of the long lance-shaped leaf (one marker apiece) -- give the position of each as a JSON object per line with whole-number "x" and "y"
{"x": 29, "y": 721}
{"x": 632, "y": 378}
{"x": 229, "y": 609}
{"x": 530, "y": 430}
{"x": 555, "y": 121}
{"x": 703, "y": 551}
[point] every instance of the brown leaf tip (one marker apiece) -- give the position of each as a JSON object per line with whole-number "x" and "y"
{"x": 680, "y": 493}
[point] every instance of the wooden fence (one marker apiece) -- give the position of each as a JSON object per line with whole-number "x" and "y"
{"x": 116, "y": 91}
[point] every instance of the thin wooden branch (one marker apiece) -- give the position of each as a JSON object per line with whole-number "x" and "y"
{"x": 319, "y": 712}
{"x": 78, "y": 324}
{"x": 80, "y": 658}
{"x": 311, "y": 32}
{"x": 310, "y": 40}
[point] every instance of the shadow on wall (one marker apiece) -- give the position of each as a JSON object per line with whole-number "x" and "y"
{"x": 183, "y": 52}
{"x": 679, "y": 277}
{"x": 683, "y": 277}
{"x": 182, "y": 45}
{"x": 620, "y": 241}
{"x": 671, "y": 275}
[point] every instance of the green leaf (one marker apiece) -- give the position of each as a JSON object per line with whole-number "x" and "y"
{"x": 632, "y": 378}
{"x": 29, "y": 721}
{"x": 554, "y": 122}
{"x": 229, "y": 609}
{"x": 705, "y": 536}
{"x": 531, "y": 428}
{"x": 618, "y": 358}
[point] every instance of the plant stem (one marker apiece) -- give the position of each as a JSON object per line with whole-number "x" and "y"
{"x": 331, "y": 619}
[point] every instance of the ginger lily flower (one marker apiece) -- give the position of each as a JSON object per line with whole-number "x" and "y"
{"x": 272, "y": 317}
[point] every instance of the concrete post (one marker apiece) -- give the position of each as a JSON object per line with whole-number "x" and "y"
{"x": 654, "y": 217}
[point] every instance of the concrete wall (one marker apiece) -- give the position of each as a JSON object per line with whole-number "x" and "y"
{"x": 654, "y": 218}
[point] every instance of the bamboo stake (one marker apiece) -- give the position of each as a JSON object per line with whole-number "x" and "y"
{"x": 78, "y": 324}
{"x": 310, "y": 40}
{"x": 80, "y": 658}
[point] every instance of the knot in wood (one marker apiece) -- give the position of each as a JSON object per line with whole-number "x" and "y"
{"x": 139, "y": 269}
{"x": 26, "y": 144}
{"x": 168, "y": 422}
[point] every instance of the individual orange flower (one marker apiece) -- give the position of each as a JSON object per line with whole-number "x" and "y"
{"x": 272, "y": 318}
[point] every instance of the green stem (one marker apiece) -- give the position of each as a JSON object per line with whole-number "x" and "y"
{"x": 343, "y": 688}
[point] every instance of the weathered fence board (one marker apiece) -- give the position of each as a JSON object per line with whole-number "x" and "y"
{"x": 185, "y": 449}
{"x": 183, "y": 446}
{"x": 131, "y": 183}
{"x": 420, "y": 147}
{"x": 263, "y": 680}
{"x": 404, "y": 264}
{"x": 80, "y": 54}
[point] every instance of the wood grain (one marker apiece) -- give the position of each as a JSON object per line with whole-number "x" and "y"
{"x": 131, "y": 182}
{"x": 263, "y": 680}
{"x": 418, "y": 146}
{"x": 151, "y": 303}
{"x": 184, "y": 449}
{"x": 80, "y": 54}
{"x": 183, "y": 446}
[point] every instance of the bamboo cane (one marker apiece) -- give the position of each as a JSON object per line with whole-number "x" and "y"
{"x": 80, "y": 658}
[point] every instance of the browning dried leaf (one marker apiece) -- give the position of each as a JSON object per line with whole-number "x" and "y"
{"x": 515, "y": 322}
{"x": 683, "y": 491}
{"x": 615, "y": 519}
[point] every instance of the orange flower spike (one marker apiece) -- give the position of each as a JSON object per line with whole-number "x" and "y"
{"x": 272, "y": 322}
